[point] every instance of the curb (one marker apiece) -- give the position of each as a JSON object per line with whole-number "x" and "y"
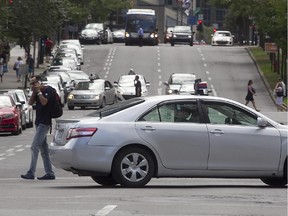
{"x": 264, "y": 80}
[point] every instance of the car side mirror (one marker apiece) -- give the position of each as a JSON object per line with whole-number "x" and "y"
{"x": 165, "y": 83}
{"x": 147, "y": 84}
{"x": 107, "y": 88}
{"x": 19, "y": 105}
{"x": 261, "y": 122}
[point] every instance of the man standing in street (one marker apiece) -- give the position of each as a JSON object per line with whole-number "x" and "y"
{"x": 30, "y": 62}
{"x": 137, "y": 85}
{"x": 43, "y": 97}
{"x": 140, "y": 36}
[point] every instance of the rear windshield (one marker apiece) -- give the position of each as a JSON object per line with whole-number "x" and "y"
{"x": 117, "y": 107}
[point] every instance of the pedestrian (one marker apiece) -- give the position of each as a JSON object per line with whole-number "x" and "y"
{"x": 279, "y": 92}
{"x": 131, "y": 72}
{"x": 16, "y": 67}
{"x": 48, "y": 48}
{"x": 30, "y": 62}
{"x": 137, "y": 85}
{"x": 250, "y": 95}
{"x": 42, "y": 95}
{"x": 3, "y": 65}
{"x": 140, "y": 36}
{"x": 70, "y": 31}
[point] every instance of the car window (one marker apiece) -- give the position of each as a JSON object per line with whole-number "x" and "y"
{"x": 5, "y": 102}
{"x": 174, "y": 112}
{"x": 223, "y": 113}
{"x": 117, "y": 107}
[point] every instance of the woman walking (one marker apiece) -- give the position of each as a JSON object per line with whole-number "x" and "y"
{"x": 16, "y": 68}
{"x": 250, "y": 95}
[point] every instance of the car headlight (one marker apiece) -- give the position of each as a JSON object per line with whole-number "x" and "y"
{"x": 170, "y": 91}
{"x": 174, "y": 36}
{"x": 70, "y": 96}
{"x": 8, "y": 116}
{"x": 127, "y": 34}
{"x": 96, "y": 97}
{"x": 189, "y": 36}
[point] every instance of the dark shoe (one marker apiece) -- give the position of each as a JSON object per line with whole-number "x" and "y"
{"x": 28, "y": 176}
{"x": 46, "y": 177}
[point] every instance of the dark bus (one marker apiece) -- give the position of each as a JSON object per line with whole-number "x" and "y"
{"x": 144, "y": 18}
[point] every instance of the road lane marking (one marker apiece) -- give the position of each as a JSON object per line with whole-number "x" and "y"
{"x": 106, "y": 210}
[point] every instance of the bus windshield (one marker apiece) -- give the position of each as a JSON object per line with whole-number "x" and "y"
{"x": 135, "y": 21}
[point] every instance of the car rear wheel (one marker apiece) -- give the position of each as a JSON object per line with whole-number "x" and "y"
{"x": 107, "y": 181}
{"x": 133, "y": 167}
{"x": 172, "y": 44}
{"x": 70, "y": 107}
{"x": 103, "y": 103}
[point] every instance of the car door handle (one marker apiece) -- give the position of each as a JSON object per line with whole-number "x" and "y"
{"x": 217, "y": 131}
{"x": 148, "y": 128}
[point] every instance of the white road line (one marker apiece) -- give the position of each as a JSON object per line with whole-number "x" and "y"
{"x": 10, "y": 150}
{"x": 209, "y": 78}
{"x": 106, "y": 210}
{"x": 19, "y": 150}
{"x": 207, "y": 72}
{"x": 205, "y": 65}
{"x": 2, "y": 158}
{"x": 18, "y": 146}
{"x": 159, "y": 70}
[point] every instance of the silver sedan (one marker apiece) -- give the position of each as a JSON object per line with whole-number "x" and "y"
{"x": 95, "y": 93}
{"x": 172, "y": 136}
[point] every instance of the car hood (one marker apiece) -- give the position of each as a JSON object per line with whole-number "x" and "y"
{"x": 85, "y": 92}
{"x": 221, "y": 37}
{"x": 130, "y": 90}
{"x": 6, "y": 110}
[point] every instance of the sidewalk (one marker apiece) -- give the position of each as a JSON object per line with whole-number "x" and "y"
{"x": 9, "y": 78}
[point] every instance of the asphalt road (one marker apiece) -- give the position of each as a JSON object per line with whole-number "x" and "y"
{"x": 227, "y": 69}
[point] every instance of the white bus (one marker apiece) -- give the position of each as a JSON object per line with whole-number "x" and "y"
{"x": 147, "y": 20}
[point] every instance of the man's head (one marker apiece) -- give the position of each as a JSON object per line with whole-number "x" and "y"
{"x": 136, "y": 77}
{"x": 35, "y": 79}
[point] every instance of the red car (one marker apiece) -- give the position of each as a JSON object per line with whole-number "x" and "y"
{"x": 10, "y": 120}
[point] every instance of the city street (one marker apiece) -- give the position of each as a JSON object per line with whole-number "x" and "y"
{"x": 227, "y": 71}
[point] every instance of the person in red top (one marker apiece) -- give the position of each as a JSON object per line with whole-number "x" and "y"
{"x": 48, "y": 48}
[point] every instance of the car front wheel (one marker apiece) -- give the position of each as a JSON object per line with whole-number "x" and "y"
{"x": 133, "y": 167}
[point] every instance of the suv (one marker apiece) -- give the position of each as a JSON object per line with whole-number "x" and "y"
{"x": 182, "y": 35}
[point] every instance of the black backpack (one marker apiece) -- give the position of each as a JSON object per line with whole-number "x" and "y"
{"x": 56, "y": 106}
{"x": 280, "y": 93}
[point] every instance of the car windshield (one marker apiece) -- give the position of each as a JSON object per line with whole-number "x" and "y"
{"x": 128, "y": 80}
{"x": 21, "y": 95}
{"x": 227, "y": 34}
{"x": 183, "y": 29}
{"x": 183, "y": 79}
{"x": 78, "y": 76}
{"x": 117, "y": 107}
{"x": 97, "y": 86}
{"x": 5, "y": 102}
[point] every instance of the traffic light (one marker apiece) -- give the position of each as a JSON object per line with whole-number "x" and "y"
{"x": 200, "y": 26}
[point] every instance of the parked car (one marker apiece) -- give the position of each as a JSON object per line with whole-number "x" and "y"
{"x": 10, "y": 115}
{"x": 89, "y": 36}
{"x": 168, "y": 34}
{"x": 174, "y": 136}
{"x": 19, "y": 103}
{"x": 77, "y": 76}
{"x": 78, "y": 49}
{"x": 67, "y": 62}
{"x": 118, "y": 36}
{"x": 185, "y": 83}
{"x": 72, "y": 41}
{"x": 125, "y": 86}
{"x": 222, "y": 38}
{"x": 28, "y": 109}
{"x": 96, "y": 93}
{"x": 70, "y": 53}
{"x": 182, "y": 35}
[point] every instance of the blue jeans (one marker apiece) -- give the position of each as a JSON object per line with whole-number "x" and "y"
{"x": 40, "y": 143}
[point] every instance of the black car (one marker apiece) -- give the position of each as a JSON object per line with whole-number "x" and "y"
{"x": 182, "y": 35}
{"x": 89, "y": 36}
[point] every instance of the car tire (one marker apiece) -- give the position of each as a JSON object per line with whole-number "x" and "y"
{"x": 172, "y": 44}
{"x": 103, "y": 103}
{"x": 107, "y": 181}
{"x": 277, "y": 182}
{"x": 70, "y": 107}
{"x": 133, "y": 167}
